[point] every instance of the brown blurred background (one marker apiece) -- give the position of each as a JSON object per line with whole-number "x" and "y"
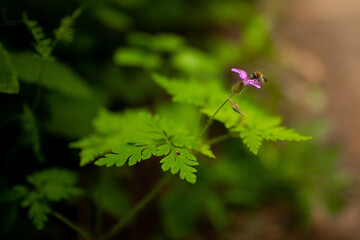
{"x": 321, "y": 40}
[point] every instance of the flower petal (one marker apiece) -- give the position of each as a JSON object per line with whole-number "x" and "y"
{"x": 242, "y": 74}
{"x": 252, "y": 82}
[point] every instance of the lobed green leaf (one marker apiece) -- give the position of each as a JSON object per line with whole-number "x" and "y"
{"x": 65, "y": 32}
{"x": 50, "y": 185}
{"x": 38, "y": 212}
{"x": 56, "y": 76}
{"x": 180, "y": 159}
{"x": 8, "y": 79}
{"x": 255, "y": 127}
{"x": 42, "y": 44}
{"x": 134, "y": 153}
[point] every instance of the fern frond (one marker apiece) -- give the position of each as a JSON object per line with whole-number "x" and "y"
{"x": 8, "y": 78}
{"x": 180, "y": 160}
{"x": 50, "y": 185}
{"x": 55, "y": 184}
{"x": 38, "y": 212}
{"x": 259, "y": 126}
{"x": 191, "y": 92}
{"x": 65, "y": 32}
{"x": 111, "y": 129}
{"x": 252, "y": 139}
{"x": 160, "y": 139}
{"x": 132, "y": 137}
{"x": 42, "y": 44}
{"x": 134, "y": 153}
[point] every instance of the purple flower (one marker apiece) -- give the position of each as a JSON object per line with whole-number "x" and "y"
{"x": 243, "y": 76}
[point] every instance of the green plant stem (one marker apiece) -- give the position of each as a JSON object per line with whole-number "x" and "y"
{"x": 138, "y": 207}
{"x": 38, "y": 87}
{"x": 211, "y": 119}
{"x": 99, "y": 218}
{"x": 72, "y": 225}
{"x": 99, "y": 213}
{"x": 218, "y": 139}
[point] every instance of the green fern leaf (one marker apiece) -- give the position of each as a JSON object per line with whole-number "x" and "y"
{"x": 55, "y": 184}
{"x": 132, "y": 152}
{"x": 163, "y": 42}
{"x": 191, "y": 92}
{"x": 252, "y": 139}
{"x": 259, "y": 126}
{"x": 205, "y": 149}
{"x": 283, "y": 134}
{"x": 16, "y": 193}
{"x": 93, "y": 147}
{"x": 50, "y": 185}
{"x": 135, "y": 57}
{"x": 183, "y": 140}
{"x": 56, "y": 75}
{"x": 42, "y": 44}
{"x": 176, "y": 150}
{"x": 253, "y": 129}
{"x": 8, "y": 79}
{"x": 38, "y": 212}
{"x": 180, "y": 159}
{"x": 135, "y": 136}
{"x": 111, "y": 130}
{"x": 163, "y": 150}
{"x": 65, "y": 32}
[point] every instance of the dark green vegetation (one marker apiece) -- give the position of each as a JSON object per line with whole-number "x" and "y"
{"x": 131, "y": 84}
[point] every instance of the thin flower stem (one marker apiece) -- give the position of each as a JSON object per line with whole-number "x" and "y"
{"x": 72, "y": 225}
{"x": 138, "y": 207}
{"x": 211, "y": 119}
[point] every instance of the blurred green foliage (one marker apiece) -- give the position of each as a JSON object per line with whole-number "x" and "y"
{"x": 102, "y": 92}
{"x": 56, "y": 76}
{"x": 49, "y": 185}
{"x": 9, "y": 82}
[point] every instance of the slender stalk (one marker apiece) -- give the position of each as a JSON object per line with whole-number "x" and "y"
{"x": 218, "y": 139}
{"x": 72, "y": 225}
{"x": 99, "y": 216}
{"x": 44, "y": 58}
{"x": 99, "y": 210}
{"x": 138, "y": 207}
{"x": 38, "y": 87}
{"x": 211, "y": 119}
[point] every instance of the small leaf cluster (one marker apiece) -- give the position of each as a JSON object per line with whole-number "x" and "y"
{"x": 255, "y": 127}
{"x": 254, "y": 132}
{"x": 135, "y": 136}
{"x": 42, "y": 43}
{"x": 64, "y": 33}
{"x": 44, "y": 188}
